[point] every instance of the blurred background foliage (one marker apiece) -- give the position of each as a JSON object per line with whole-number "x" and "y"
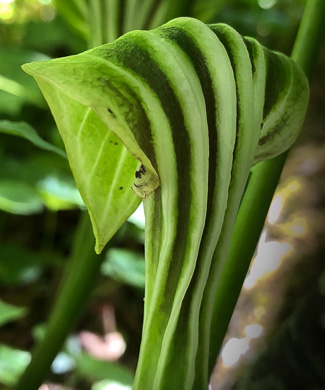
{"x": 275, "y": 337}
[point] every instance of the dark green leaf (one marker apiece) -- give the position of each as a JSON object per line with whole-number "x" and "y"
{"x": 95, "y": 370}
{"x": 125, "y": 266}
{"x": 17, "y": 197}
{"x": 15, "y": 88}
{"x": 24, "y": 130}
{"x": 19, "y": 265}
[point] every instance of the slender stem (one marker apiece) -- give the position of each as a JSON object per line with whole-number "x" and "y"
{"x": 132, "y": 11}
{"x": 159, "y": 16}
{"x": 81, "y": 6}
{"x": 310, "y": 36}
{"x": 259, "y": 192}
{"x": 95, "y": 23}
{"x": 113, "y": 20}
{"x": 73, "y": 13}
{"x": 78, "y": 281}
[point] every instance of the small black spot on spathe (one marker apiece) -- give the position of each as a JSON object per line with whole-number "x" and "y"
{"x": 121, "y": 188}
{"x": 111, "y": 112}
{"x": 116, "y": 143}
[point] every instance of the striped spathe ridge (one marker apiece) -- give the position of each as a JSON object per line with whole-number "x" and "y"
{"x": 197, "y": 105}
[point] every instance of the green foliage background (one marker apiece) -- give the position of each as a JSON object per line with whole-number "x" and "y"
{"x": 40, "y": 205}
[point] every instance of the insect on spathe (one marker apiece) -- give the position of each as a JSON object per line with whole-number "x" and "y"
{"x": 145, "y": 182}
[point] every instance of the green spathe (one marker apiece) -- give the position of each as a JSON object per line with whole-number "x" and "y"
{"x": 197, "y": 106}
{"x": 102, "y": 167}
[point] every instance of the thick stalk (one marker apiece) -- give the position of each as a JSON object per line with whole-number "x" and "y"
{"x": 259, "y": 193}
{"x": 78, "y": 281}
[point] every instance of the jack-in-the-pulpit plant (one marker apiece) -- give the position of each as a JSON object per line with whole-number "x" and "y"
{"x": 187, "y": 109}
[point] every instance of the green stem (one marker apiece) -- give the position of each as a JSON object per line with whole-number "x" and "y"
{"x": 73, "y": 13}
{"x": 259, "y": 193}
{"x": 81, "y": 6}
{"x": 310, "y": 36}
{"x": 112, "y": 20}
{"x": 80, "y": 276}
{"x": 95, "y": 23}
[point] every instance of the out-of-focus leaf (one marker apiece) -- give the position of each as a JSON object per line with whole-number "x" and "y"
{"x": 95, "y": 370}
{"x": 24, "y": 130}
{"x": 75, "y": 13}
{"x": 10, "y": 313}
{"x": 18, "y": 197}
{"x": 15, "y": 87}
{"x": 19, "y": 265}
{"x": 10, "y": 104}
{"x": 125, "y": 266}
{"x": 54, "y": 182}
{"x": 39, "y": 332}
{"x": 12, "y": 364}
{"x": 133, "y": 232}
{"x": 56, "y": 37}
{"x": 47, "y": 175}
{"x": 109, "y": 385}
{"x": 205, "y": 10}
{"x": 59, "y": 193}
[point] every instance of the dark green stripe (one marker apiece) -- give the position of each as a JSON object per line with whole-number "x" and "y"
{"x": 250, "y": 48}
{"x": 188, "y": 45}
{"x": 136, "y": 58}
{"x": 276, "y": 80}
{"x": 184, "y": 331}
{"x": 224, "y": 39}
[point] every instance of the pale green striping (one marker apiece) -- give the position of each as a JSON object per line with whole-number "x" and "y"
{"x": 163, "y": 147}
{"x": 193, "y": 124}
{"x": 288, "y": 114}
{"x": 247, "y": 134}
{"x": 195, "y": 215}
{"x": 258, "y": 61}
{"x": 211, "y": 50}
{"x": 276, "y": 115}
